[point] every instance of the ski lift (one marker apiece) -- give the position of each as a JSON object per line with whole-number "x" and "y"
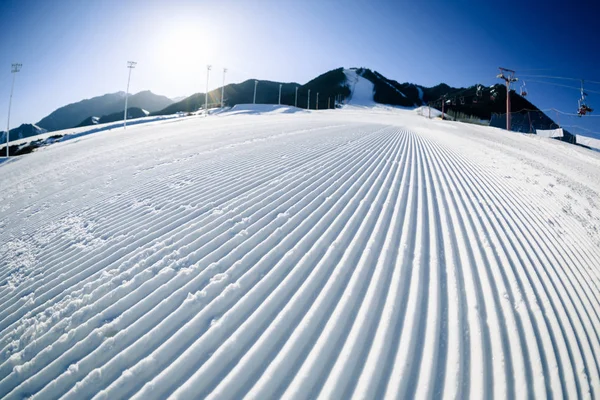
{"x": 462, "y": 100}
{"x": 477, "y": 95}
{"x": 523, "y": 89}
{"x": 454, "y": 101}
{"x": 583, "y": 107}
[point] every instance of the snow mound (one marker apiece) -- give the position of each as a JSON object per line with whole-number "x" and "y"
{"x": 426, "y": 111}
{"x": 361, "y": 89}
{"x": 262, "y": 109}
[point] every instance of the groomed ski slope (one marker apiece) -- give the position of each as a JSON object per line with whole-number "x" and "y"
{"x": 335, "y": 254}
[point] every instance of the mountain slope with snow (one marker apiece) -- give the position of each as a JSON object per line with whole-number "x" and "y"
{"x": 359, "y": 253}
{"x": 361, "y": 89}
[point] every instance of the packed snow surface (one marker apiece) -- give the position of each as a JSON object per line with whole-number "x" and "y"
{"x": 348, "y": 253}
{"x": 263, "y": 109}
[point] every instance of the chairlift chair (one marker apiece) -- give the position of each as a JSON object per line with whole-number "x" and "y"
{"x": 462, "y": 100}
{"x": 583, "y": 108}
{"x": 479, "y": 91}
{"x": 523, "y": 89}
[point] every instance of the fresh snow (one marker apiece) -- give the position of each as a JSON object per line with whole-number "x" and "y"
{"x": 354, "y": 253}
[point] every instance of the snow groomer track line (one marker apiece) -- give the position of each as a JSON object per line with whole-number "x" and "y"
{"x": 344, "y": 254}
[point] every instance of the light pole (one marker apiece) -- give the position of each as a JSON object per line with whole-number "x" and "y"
{"x": 208, "y": 67}
{"x": 296, "y": 98}
{"x": 255, "y": 85}
{"x": 317, "y": 100}
{"x": 223, "y": 89}
{"x": 308, "y": 105}
{"x": 280, "y": 94}
{"x": 14, "y": 69}
{"x": 130, "y": 65}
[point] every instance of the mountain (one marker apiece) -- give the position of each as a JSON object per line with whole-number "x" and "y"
{"x": 147, "y": 101}
{"x": 329, "y": 84}
{"x": 72, "y": 115}
{"x": 132, "y": 113}
{"x": 22, "y": 132}
{"x": 475, "y": 102}
{"x": 89, "y": 121}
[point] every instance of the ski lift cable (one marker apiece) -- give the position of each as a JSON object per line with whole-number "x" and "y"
{"x": 559, "y": 77}
{"x": 534, "y": 69}
{"x": 565, "y": 86}
{"x": 549, "y": 77}
{"x": 582, "y": 128}
{"x": 576, "y": 115}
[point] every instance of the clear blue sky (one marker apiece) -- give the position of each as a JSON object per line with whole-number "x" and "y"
{"x": 73, "y": 49}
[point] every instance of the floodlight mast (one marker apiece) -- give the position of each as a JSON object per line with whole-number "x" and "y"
{"x": 208, "y": 68}
{"x": 16, "y": 67}
{"x": 296, "y": 98}
{"x": 280, "y": 94}
{"x": 223, "y": 89}
{"x": 255, "y": 85}
{"x": 130, "y": 65}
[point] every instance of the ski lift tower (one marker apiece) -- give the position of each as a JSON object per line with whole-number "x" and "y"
{"x": 508, "y": 75}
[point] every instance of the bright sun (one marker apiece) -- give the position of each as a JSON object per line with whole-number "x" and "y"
{"x": 186, "y": 46}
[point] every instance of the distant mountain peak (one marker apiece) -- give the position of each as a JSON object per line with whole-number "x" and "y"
{"x": 73, "y": 114}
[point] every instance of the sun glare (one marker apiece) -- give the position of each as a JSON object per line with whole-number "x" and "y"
{"x": 185, "y": 47}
